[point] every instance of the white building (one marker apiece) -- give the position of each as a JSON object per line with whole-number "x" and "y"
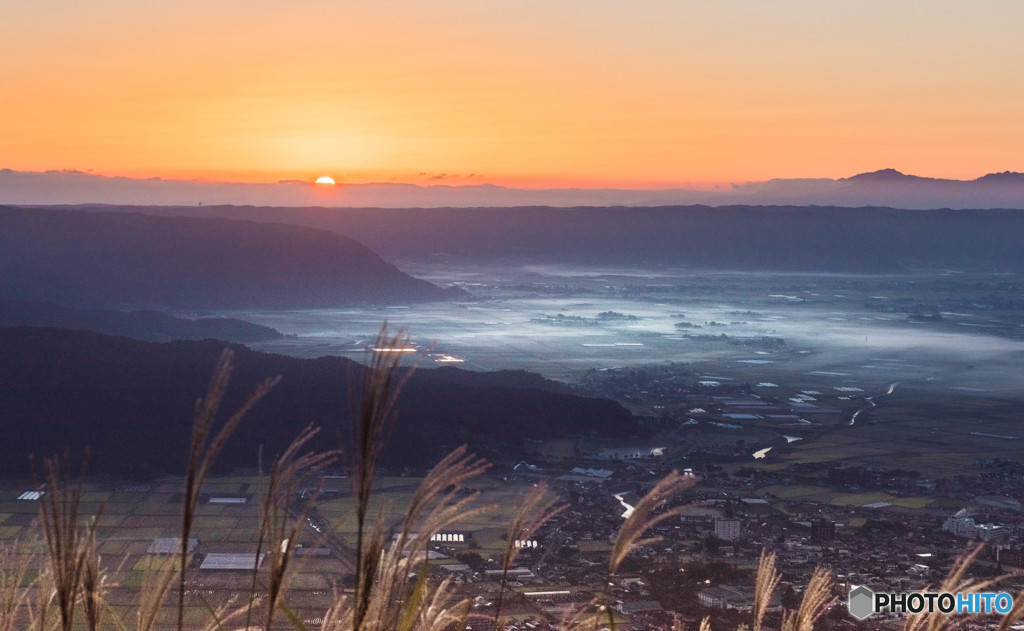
{"x": 989, "y": 532}
{"x": 960, "y": 525}
{"x": 728, "y": 529}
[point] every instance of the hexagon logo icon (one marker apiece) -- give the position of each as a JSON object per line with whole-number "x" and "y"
{"x": 861, "y": 602}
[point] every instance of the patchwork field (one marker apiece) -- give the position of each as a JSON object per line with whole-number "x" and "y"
{"x": 918, "y": 429}
{"x": 132, "y": 520}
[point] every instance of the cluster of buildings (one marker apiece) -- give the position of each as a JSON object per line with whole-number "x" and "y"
{"x": 726, "y": 519}
{"x": 962, "y": 524}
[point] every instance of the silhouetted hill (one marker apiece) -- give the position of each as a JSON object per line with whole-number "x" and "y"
{"x": 152, "y": 326}
{"x": 882, "y": 175}
{"x": 788, "y": 238}
{"x": 134, "y": 260}
{"x": 1009, "y": 177}
{"x": 131, "y": 403}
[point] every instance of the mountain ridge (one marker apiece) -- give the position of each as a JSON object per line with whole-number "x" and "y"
{"x": 866, "y": 239}
{"x": 134, "y": 260}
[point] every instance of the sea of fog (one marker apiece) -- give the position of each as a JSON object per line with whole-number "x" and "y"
{"x": 560, "y": 321}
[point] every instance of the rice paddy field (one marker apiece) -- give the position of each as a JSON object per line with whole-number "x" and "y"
{"x": 921, "y": 429}
{"x": 136, "y": 515}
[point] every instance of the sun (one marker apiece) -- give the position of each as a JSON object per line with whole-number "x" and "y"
{"x": 323, "y": 179}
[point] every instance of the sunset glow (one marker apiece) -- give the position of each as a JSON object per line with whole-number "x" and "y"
{"x": 538, "y": 94}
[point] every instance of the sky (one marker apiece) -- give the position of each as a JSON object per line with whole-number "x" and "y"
{"x": 595, "y": 93}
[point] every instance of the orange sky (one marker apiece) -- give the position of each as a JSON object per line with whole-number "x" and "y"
{"x": 530, "y": 93}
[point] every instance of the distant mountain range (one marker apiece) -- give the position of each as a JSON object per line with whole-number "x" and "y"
{"x": 886, "y": 187}
{"x": 131, "y": 403}
{"x": 780, "y": 238}
{"x": 136, "y": 261}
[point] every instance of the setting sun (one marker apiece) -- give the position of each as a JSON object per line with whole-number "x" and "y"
{"x": 323, "y": 179}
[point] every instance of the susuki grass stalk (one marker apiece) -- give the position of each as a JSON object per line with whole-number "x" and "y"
{"x": 954, "y": 583}
{"x": 816, "y": 601}
{"x": 40, "y": 606}
{"x": 369, "y": 429}
{"x": 14, "y": 589}
{"x": 279, "y": 527}
{"x": 1014, "y": 614}
{"x": 647, "y": 514}
{"x": 767, "y": 580}
{"x": 68, "y": 542}
{"x": 93, "y": 584}
{"x": 643, "y": 517}
{"x": 153, "y": 595}
{"x": 203, "y": 452}
{"x": 534, "y": 511}
{"x": 390, "y": 600}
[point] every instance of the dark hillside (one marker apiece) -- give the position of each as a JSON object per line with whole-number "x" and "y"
{"x": 131, "y": 403}
{"x": 118, "y": 260}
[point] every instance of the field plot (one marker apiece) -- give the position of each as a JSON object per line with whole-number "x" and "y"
{"x": 393, "y": 494}
{"x": 132, "y": 521}
{"x": 920, "y": 429}
{"x": 868, "y": 499}
{"x": 787, "y": 492}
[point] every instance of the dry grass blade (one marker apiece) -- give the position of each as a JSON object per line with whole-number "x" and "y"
{"x": 953, "y": 583}
{"x": 93, "y": 584}
{"x": 816, "y": 601}
{"x": 441, "y": 611}
{"x": 39, "y": 612}
{"x": 534, "y": 511}
{"x": 220, "y": 616}
{"x": 1014, "y": 614}
{"x": 439, "y": 503}
{"x": 395, "y": 592}
{"x": 68, "y": 543}
{"x": 334, "y": 617}
{"x": 767, "y": 580}
{"x": 203, "y": 452}
{"x": 373, "y": 565}
{"x": 586, "y": 618}
{"x": 369, "y": 430}
{"x": 643, "y": 518}
{"x": 278, "y": 525}
{"x": 14, "y": 590}
{"x": 449, "y": 473}
{"x": 155, "y": 586}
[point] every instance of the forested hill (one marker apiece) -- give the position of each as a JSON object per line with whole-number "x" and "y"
{"x": 131, "y": 403}
{"x": 132, "y": 260}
